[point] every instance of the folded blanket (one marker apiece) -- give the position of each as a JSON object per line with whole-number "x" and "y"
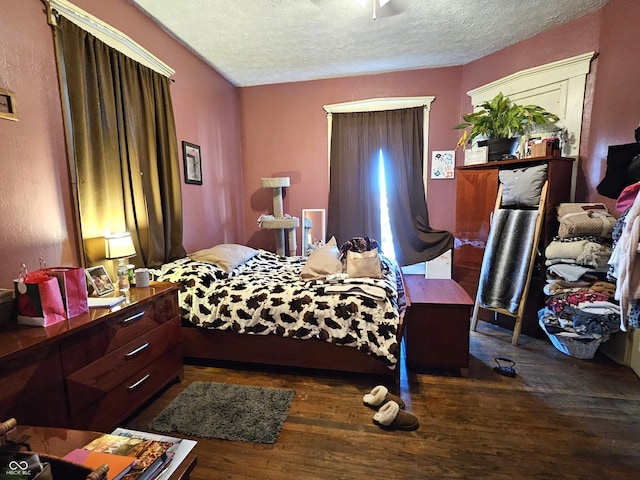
{"x": 571, "y": 273}
{"x": 578, "y": 219}
{"x": 583, "y": 252}
{"x": 368, "y": 291}
{"x": 553, "y": 288}
{"x": 505, "y": 263}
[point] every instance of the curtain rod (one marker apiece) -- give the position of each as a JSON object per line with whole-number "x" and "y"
{"x": 379, "y": 104}
{"x": 105, "y": 33}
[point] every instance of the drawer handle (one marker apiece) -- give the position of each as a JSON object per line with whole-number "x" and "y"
{"x": 132, "y": 318}
{"x": 137, "y": 350}
{"x": 139, "y": 382}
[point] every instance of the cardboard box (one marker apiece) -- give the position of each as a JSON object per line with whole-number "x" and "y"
{"x": 545, "y": 148}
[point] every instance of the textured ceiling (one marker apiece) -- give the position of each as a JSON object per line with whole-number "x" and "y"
{"x": 256, "y": 42}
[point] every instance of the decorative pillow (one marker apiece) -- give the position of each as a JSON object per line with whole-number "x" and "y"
{"x": 322, "y": 262}
{"x": 365, "y": 264}
{"x": 227, "y": 256}
{"x": 521, "y": 187}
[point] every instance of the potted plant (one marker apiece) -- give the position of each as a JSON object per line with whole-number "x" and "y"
{"x": 500, "y": 122}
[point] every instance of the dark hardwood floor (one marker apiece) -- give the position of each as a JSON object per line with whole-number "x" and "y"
{"x": 560, "y": 418}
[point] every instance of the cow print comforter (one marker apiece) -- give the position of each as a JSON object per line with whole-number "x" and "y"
{"x": 266, "y": 296}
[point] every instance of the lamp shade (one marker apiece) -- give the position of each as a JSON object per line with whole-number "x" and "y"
{"x": 119, "y": 245}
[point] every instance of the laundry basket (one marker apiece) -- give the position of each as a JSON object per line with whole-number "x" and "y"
{"x": 583, "y": 348}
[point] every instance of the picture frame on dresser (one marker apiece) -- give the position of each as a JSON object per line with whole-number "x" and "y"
{"x": 99, "y": 279}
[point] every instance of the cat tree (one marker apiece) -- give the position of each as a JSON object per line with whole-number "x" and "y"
{"x": 278, "y": 222}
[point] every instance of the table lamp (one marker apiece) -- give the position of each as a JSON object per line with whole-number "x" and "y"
{"x": 120, "y": 247}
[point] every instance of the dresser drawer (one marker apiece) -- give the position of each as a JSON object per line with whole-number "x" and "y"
{"x": 31, "y": 382}
{"x": 120, "y": 329}
{"x": 127, "y": 397}
{"x": 88, "y": 384}
{"x": 46, "y": 408}
{"x": 29, "y": 374}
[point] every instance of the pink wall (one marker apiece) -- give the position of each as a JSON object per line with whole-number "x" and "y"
{"x": 574, "y": 38}
{"x": 612, "y": 99}
{"x": 616, "y": 101}
{"x": 284, "y": 133}
{"x": 282, "y": 128}
{"x": 34, "y": 192}
{"x": 35, "y": 182}
{"x": 285, "y": 129}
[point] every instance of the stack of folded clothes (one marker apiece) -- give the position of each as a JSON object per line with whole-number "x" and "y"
{"x": 580, "y": 298}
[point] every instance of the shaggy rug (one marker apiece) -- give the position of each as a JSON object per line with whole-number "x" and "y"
{"x": 226, "y": 412}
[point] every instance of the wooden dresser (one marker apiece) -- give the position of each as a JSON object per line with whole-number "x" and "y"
{"x": 94, "y": 370}
{"x": 476, "y": 190}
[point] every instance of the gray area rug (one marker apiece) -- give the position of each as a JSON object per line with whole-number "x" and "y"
{"x": 226, "y": 412}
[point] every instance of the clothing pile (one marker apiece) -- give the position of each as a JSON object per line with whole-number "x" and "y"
{"x": 580, "y": 300}
{"x": 625, "y": 262}
{"x": 622, "y": 183}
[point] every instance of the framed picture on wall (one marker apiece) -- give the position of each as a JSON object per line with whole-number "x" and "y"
{"x": 192, "y": 163}
{"x": 443, "y": 165}
{"x": 8, "y": 107}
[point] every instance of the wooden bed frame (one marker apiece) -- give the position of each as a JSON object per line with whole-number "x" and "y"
{"x": 211, "y": 344}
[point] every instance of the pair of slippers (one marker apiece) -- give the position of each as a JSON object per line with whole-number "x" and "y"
{"x": 390, "y": 414}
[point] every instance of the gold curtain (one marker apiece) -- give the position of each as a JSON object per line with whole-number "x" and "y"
{"x": 125, "y": 150}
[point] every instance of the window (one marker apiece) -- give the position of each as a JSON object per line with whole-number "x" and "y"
{"x": 386, "y": 233}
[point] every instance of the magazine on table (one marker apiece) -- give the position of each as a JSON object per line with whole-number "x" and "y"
{"x": 119, "y": 465}
{"x": 175, "y": 454}
{"x": 151, "y": 455}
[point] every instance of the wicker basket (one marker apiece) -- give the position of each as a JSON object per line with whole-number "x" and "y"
{"x": 582, "y": 348}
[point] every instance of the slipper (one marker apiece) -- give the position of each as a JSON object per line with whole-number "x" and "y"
{"x": 379, "y": 396}
{"x": 390, "y": 417}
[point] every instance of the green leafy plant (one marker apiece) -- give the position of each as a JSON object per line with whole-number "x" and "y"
{"x": 500, "y": 118}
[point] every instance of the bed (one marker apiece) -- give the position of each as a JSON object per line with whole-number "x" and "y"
{"x": 258, "y": 309}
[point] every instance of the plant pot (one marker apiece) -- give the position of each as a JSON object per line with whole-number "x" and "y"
{"x": 499, "y": 147}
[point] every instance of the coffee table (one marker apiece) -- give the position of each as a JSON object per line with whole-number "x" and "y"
{"x": 58, "y": 442}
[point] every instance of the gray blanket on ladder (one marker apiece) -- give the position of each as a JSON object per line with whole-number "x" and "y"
{"x": 505, "y": 263}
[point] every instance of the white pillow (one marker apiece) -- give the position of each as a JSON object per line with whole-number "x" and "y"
{"x": 322, "y": 262}
{"x": 227, "y": 256}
